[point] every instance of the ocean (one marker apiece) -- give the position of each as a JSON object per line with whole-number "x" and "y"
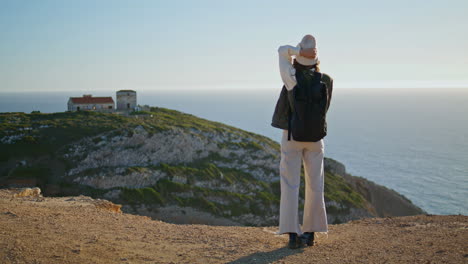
{"x": 414, "y": 141}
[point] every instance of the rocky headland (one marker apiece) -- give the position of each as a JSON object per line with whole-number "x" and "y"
{"x": 171, "y": 166}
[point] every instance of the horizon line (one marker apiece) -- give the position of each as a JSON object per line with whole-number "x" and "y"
{"x": 211, "y": 89}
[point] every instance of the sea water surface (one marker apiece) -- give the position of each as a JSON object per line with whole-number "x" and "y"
{"x": 414, "y": 141}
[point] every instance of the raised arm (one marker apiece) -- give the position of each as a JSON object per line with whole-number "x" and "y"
{"x": 287, "y": 70}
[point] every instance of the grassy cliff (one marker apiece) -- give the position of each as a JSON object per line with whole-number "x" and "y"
{"x": 149, "y": 161}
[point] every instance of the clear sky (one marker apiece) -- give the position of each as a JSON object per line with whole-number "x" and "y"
{"x": 111, "y": 45}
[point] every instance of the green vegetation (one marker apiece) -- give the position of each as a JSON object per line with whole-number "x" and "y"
{"x": 46, "y": 133}
{"x": 336, "y": 189}
{"x": 249, "y": 145}
{"x": 167, "y": 187}
{"x": 174, "y": 118}
{"x": 259, "y": 200}
{"x": 40, "y": 173}
{"x": 203, "y": 170}
{"x": 201, "y": 203}
{"x": 136, "y": 169}
{"x": 67, "y": 189}
{"x": 39, "y": 135}
{"x": 145, "y": 195}
{"x": 257, "y": 197}
{"x": 207, "y": 199}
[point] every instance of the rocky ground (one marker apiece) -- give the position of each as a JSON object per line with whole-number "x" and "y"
{"x": 36, "y": 229}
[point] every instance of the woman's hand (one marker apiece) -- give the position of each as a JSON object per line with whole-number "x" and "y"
{"x": 310, "y": 53}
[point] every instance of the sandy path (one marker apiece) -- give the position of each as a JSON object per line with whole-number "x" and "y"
{"x": 74, "y": 230}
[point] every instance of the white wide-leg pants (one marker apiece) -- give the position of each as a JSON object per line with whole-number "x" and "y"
{"x": 315, "y": 216}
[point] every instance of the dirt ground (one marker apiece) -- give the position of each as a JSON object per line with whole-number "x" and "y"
{"x": 35, "y": 229}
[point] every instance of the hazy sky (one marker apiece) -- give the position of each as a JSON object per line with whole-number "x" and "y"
{"x": 111, "y": 45}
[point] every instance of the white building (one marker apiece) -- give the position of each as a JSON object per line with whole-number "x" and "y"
{"x": 126, "y": 100}
{"x": 90, "y": 103}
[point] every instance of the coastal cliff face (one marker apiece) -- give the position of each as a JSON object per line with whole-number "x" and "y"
{"x": 171, "y": 166}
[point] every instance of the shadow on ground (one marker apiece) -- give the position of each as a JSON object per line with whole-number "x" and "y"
{"x": 267, "y": 257}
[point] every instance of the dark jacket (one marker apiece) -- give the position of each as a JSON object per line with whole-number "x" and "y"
{"x": 281, "y": 114}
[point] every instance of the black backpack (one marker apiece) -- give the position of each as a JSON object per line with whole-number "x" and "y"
{"x": 307, "y": 117}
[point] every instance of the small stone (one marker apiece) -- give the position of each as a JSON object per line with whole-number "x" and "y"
{"x": 10, "y": 213}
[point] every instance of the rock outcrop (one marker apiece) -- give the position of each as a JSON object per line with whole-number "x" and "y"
{"x": 385, "y": 202}
{"x": 24, "y": 192}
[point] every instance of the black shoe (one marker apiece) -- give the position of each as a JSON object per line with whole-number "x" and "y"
{"x": 308, "y": 238}
{"x": 294, "y": 241}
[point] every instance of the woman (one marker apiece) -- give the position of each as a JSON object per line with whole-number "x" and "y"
{"x": 293, "y": 152}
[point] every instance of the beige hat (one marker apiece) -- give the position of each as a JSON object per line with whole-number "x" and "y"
{"x": 308, "y": 41}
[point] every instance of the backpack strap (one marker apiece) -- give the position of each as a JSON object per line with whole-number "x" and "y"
{"x": 318, "y": 76}
{"x": 289, "y": 124}
{"x": 290, "y": 112}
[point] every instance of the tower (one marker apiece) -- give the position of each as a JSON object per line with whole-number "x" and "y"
{"x": 126, "y": 100}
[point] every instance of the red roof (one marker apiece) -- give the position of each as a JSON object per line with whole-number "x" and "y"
{"x": 92, "y": 100}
